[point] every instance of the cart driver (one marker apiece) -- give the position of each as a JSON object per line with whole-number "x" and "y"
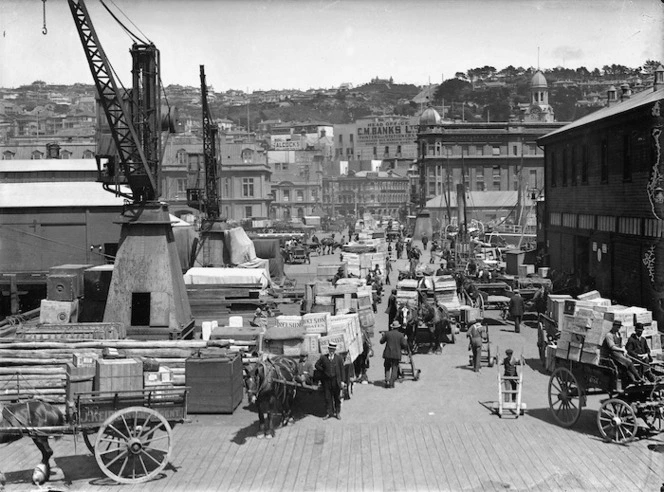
{"x": 637, "y": 348}
{"x": 612, "y": 348}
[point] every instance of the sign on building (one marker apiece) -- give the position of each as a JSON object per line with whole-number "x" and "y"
{"x": 386, "y": 133}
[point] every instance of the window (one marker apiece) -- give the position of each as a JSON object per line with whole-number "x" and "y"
{"x": 36, "y": 155}
{"x": 479, "y": 179}
{"x": 584, "y": 164}
{"x": 564, "y": 181}
{"x": 375, "y": 151}
{"x": 387, "y": 150}
{"x": 88, "y": 154}
{"x": 496, "y": 178}
{"x": 284, "y": 166}
{"x": 515, "y": 150}
{"x": 627, "y": 158}
{"x": 65, "y": 154}
{"x": 573, "y": 165}
{"x": 495, "y": 151}
{"x": 398, "y": 150}
{"x": 286, "y": 194}
{"x": 299, "y": 195}
{"x": 552, "y": 169}
{"x": 181, "y": 157}
{"x": 247, "y": 187}
{"x": 7, "y": 155}
{"x": 479, "y": 150}
{"x": 248, "y": 211}
{"x": 532, "y": 179}
{"x": 341, "y": 139}
{"x": 351, "y": 138}
{"x": 181, "y": 185}
{"x": 604, "y": 162}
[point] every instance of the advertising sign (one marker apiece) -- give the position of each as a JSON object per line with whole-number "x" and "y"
{"x": 386, "y": 133}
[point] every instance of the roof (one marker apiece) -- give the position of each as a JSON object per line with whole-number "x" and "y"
{"x": 380, "y": 174}
{"x": 57, "y": 194}
{"x": 34, "y": 165}
{"x": 637, "y": 100}
{"x": 538, "y": 80}
{"x": 426, "y": 94}
{"x": 480, "y": 199}
{"x": 430, "y": 117}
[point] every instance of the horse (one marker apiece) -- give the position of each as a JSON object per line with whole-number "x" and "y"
{"x": 361, "y": 363}
{"x": 31, "y": 414}
{"x": 262, "y": 382}
{"x": 437, "y": 320}
{"x": 328, "y": 245}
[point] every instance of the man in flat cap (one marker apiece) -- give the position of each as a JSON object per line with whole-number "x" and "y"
{"x": 612, "y": 348}
{"x": 330, "y": 366}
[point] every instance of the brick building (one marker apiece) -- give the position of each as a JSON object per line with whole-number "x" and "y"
{"x": 604, "y": 205}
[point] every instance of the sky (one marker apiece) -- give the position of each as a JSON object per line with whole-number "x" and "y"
{"x": 286, "y": 44}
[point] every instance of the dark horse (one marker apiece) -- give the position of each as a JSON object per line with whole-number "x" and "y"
{"x": 26, "y": 418}
{"x": 361, "y": 363}
{"x": 437, "y": 321}
{"x": 267, "y": 386}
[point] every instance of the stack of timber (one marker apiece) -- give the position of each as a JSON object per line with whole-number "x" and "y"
{"x": 38, "y": 368}
{"x": 219, "y": 302}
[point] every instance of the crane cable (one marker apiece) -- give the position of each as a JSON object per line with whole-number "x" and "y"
{"x": 126, "y": 29}
{"x": 132, "y": 22}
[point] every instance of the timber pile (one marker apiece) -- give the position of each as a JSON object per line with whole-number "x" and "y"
{"x": 217, "y": 302}
{"x": 38, "y": 368}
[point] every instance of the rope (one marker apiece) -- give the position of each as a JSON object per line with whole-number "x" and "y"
{"x": 126, "y": 29}
{"x": 132, "y": 22}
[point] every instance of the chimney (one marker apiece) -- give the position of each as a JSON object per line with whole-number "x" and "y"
{"x": 625, "y": 92}
{"x": 610, "y": 95}
{"x": 659, "y": 78}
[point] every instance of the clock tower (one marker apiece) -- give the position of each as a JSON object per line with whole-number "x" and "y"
{"x": 539, "y": 109}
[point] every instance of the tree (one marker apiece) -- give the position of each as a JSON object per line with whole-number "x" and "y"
{"x": 650, "y": 66}
{"x": 452, "y": 90}
{"x": 460, "y": 75}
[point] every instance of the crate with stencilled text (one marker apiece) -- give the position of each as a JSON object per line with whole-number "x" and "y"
{"x": 79, "y": 379}
{"x": 119, "y": 375}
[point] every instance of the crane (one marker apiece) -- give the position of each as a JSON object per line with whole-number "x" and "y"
{"x": 209, "y": 200}
{"x": 147, "y": 292}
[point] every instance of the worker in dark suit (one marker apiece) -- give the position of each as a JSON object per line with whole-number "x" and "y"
{"x": 330, "y": 369}
{"x": 516, "y": 308}
{"x": 394, "y": 342}
{"x": 392, "y": 307}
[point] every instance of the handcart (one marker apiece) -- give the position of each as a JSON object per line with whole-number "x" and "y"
{"x": 489, "y": 355}
{"x": 407, "y": 366}
{"x": 509, "y": 393}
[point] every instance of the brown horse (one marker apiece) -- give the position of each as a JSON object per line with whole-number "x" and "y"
{"x": 21, "y": 419}
{"x": 265, "y": 386}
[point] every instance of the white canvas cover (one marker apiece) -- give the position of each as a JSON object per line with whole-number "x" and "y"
{"x": 226, "y": 276}
{"x": 241, "y": 248}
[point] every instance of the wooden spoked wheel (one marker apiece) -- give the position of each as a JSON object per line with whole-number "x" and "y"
{"x": 89, "y": 438}
{"x": 616, "y": 421}
{"x": 133, "y": 445}
{"x": 541, "y": 342}
{"x": 564, "y": 397}
{"x": 654, "y": 416}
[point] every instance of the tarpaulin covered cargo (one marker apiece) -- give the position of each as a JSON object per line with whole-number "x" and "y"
{"x": 240, "y": 247}
{"x": 184, "y": 235}
{"x": 267, "y": 248}
{"x": 227, "y": 276}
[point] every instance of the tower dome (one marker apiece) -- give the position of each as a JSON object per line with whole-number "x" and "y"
{"x": 429, "y": 117}
{"x": 538, "y": 80}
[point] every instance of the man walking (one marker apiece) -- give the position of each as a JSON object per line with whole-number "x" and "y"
{"x": 394, "y": 342}
{"x": 516, "y": 309}
{"x": 476, "y": 334}
{"x": 331, "y": 368}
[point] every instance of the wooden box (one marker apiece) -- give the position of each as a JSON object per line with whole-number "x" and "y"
{"x": 63, "y": 287}
{"x": 119, "y": 375}
{"x": 216, "y": 384}
{"x": 80, "y": 379}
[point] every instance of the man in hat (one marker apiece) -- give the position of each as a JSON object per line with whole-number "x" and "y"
{"x": 612, "y": 348}
{"x": 392, "y": 307}
{"x": 517, "y": 307}
{"x": 510, "y": 363}
{"x": 637, "y": 348}
{"x": 394, "y": 342}
{"x": 330, "y": 367}
{"x": 476, "y": 334}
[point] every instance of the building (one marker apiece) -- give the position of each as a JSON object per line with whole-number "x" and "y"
{"x": 47, "y": 148}
{"x": 376, "y": 192}
{"x": 52, "y": 212}
{"x": 500, "y": 157}
{"x": 604, "y": 207}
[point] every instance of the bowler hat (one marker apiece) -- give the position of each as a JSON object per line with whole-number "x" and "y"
{"x": 509, "y": 351}
{"x": 395, "y": 324}
{"x": 332, "y": 345}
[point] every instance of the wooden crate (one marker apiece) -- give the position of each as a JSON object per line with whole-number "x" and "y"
{"x": 216, "y": 384}
{"x": 119, "y": 375}
{"x": 80, "y": 379}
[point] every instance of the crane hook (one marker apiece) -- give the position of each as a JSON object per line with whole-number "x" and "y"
{"x": 44, "y": 30}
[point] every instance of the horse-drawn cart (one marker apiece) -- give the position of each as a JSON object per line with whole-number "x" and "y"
{"x": 627, "y": 408}
{"x": 130, "y": 432}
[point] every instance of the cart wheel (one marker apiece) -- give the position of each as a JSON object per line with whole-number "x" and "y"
{"x": 416, "y": 376}
{"x": 564, "y": 397}
{"x": 654, "y": 416}
{"x": 133, "y": 445}
{"x": 90, "y": 439}
{"x": 541, "y": 342}
{"x": 616, "y": 421}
